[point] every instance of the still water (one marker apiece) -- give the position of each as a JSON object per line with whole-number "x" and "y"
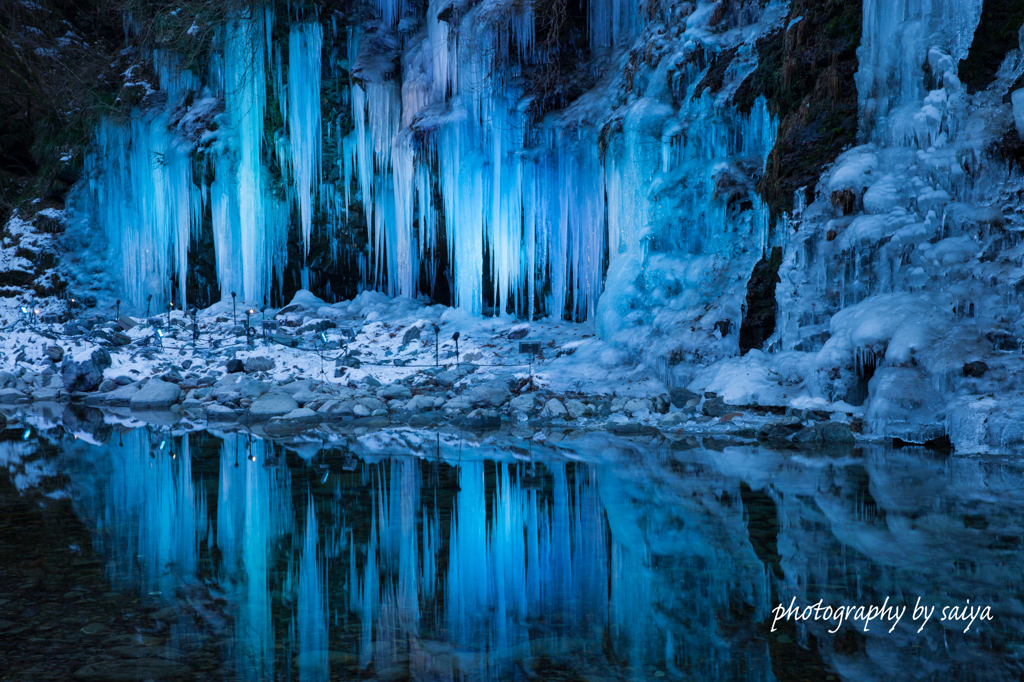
{"x": 425, "y": 556}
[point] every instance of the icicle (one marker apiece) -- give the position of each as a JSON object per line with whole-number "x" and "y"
{"x": 304, "y": 45}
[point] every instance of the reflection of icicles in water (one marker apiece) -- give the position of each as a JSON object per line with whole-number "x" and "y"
{"x": 312, "y": 617}
{"x": 147, "y": 515}
{"x": 254, "y": 510}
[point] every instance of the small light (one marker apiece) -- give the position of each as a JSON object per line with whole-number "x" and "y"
{"x": 326, "y": 475}
{"x": 174, "y": 456}
{"x": 27, "y": 434}
{"x": 323, "y": 336}
{"x": 38, "y": 311}
{"x": 252, "y": 458}
{"x": 160, "y": 333}
{"x": 24, "y": 310}
{"x": 163, "y": 444}
{"x": 251, "y": 311}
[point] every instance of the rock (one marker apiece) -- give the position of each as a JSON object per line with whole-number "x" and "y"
{"x": 661, "y": 403}
{"x": 825, "y": 433}
{"x": 361, "y": 410}
{"x": 554, "y": 409}
{"x": 273, "y": 404}
{"x": 637, "y": 406}
{"x": 302, "y": 414}
{"x": 680, "y": 396}
{"x": 235, "y": 366}
{"x": 123, "y": 380}
{"x": 394, "y": 392}
{"x": 525, "y": 404}
{"x": 482, "y": 418}
{"x": 714, "y": 406}
{"x": 45, "y": 394}
{"x": 55, "y": 353}
{"x": 491, "y": 394}
{"x": 411, "y": 334}
{"x": 420, "y": 403}
{"x": 155, "y": 395}
{"x": 133, "y": 670}
{"x": 12, "y": 396}
{"x": 84, "y": 373}
{"x": 975, "y": 369}
{"x": 94, "y": 628}
{"x": 577, "y": 409}
{"x": 372, "y": 404}
{"x": 7, "y": 380}
{"x": 779, "y": 429}
{"x": 370, "y": 381}
{"x": 108, "y": 385}
{"x": 520, "y": 331}
{"x": 216, "y": 412}
{"x": 122, "y": 395}
{"x": 258, "y": 364}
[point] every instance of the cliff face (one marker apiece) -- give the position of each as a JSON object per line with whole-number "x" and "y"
{"x": 827, "y": 188}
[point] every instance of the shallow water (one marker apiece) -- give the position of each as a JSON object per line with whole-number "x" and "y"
{"x": 427, "y": 556}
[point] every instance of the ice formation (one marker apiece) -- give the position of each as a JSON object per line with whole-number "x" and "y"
{"x": 635, "y": 206}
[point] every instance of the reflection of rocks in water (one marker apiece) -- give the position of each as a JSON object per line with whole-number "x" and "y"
{"x": 452, "y": 565}
{"x": 86, "y": 421}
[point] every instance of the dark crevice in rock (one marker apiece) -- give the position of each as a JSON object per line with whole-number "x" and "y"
{"x": 807, "y": 75}
{"x": 759, "y": 321}
{"x": 996, "y": 35}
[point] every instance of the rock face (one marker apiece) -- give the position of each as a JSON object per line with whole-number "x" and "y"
{"x": 84, "y": 374}
{"x": 155, "y": 395}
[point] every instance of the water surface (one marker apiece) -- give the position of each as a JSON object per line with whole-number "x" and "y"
{"x": 427, "y": 556}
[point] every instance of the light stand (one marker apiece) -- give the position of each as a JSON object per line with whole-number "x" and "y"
{"x": 233, "y": 320}
{"x": 148, "y": 299}
{"x": 117, "y": 310}
{"x": 455, "y": 338}
{"x": 437, "y": 330}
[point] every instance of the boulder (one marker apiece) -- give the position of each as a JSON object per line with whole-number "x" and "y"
{"x": 235, "y": 366}
{"x": 779, "y": 429}
{"x": 577, "y": 409}
{"x": 12, "y": 396}
{"x": 714, "y": 406}
{"x": 84, "y": 372}
{"x": 394, "y": 392}
{"x": 825, "y": 434}
{"x": 55, "y": 353}
{"x": 554, "y": 409}
{"x": 680, "y": 396}
{"x": 273, "y": 404}
{"x": 121, "y": 395}
{"x": 482, "y": 418}
{"x": 216, "y": 412}
{"x": 411, "y": 334}
{"x": 491, "y": 394}
{"x": 637, "y": 406}
{"x": 155, "y": 395}
{"x": 258, "y": 364}
{"x": 302, "y": 414}
{"x": 420, "y": 403}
